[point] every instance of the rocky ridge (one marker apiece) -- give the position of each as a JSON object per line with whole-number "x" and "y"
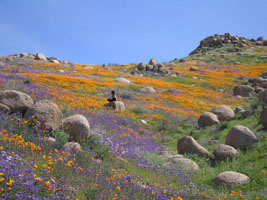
{"x": 218, "y": 41}
{"x": 30, "y": 57}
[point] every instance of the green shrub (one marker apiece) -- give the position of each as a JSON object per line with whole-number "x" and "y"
{"x": 61, "y": 136}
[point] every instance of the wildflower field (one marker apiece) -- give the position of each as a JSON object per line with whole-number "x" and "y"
{"x": 122, "y": 159}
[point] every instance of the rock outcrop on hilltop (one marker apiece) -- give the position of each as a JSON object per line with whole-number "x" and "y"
{"x": 31, "y": 57}
{"x": 217, "y": 41}
{"x": 152, "y": 68}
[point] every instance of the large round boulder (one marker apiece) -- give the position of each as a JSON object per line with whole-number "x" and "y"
{"x": 16, "y": 101}
{"x": 78, "y": 127}
{"x": 225, "y": 152}
{"x": 47, "y": 113}
{"x": 263, "y": 118}
{"x": 207, "y": 119}
{"x": 181, "y": 162}
{"x": 244, "y": 91}
{"x": 229, "y": 178}
{"x": 224, "y": 113}
{"x": 188, "y": 144}
{"x": 240, "y": 137}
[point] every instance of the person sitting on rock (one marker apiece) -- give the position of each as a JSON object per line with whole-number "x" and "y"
{"x": 113, "y": 97}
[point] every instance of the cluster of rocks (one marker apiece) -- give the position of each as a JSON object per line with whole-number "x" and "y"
{"x": 253, "y": 87}
{"x": 30, "y": 57}
{"x": 238, "y": 137}
{"x": 221, "y": 113}
{"x": 47, "y": 115}
{"x": 152, "y": 68}
{"x": 225, "y": 113}
{"x": 227, "y": 39}
{"x": 257, "y": 87}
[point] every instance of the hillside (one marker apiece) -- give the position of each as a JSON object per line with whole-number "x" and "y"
{"x": 126, "y": 154}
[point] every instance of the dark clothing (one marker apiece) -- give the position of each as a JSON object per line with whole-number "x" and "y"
{"x": 112, "y": 99}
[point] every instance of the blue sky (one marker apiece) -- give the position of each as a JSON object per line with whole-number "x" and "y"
{"x": 123, "y": 31}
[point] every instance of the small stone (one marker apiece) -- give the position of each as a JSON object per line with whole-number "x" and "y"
{"x": 143, "y": 122}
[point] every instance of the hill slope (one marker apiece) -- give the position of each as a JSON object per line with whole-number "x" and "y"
{"x": 123, "y": 160}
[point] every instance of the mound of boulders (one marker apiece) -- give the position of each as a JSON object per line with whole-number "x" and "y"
{"x": 229, "y": 178}
{"x": 220, "y": 113}
{"x": 237, "y": 43}
{"x": 188, "y": 144}
{"x": 240, "y": 137}
{"x": 256, "y": 86}
{"x": 46, "y": 116}
{"x": 152, "y": 68}
{"x": 37, "y": 56}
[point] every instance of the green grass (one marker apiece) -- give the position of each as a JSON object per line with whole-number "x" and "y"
{"x": 251, "y": 162}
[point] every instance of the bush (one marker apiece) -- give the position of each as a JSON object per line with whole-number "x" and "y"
{"x": 62, "y": 137}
